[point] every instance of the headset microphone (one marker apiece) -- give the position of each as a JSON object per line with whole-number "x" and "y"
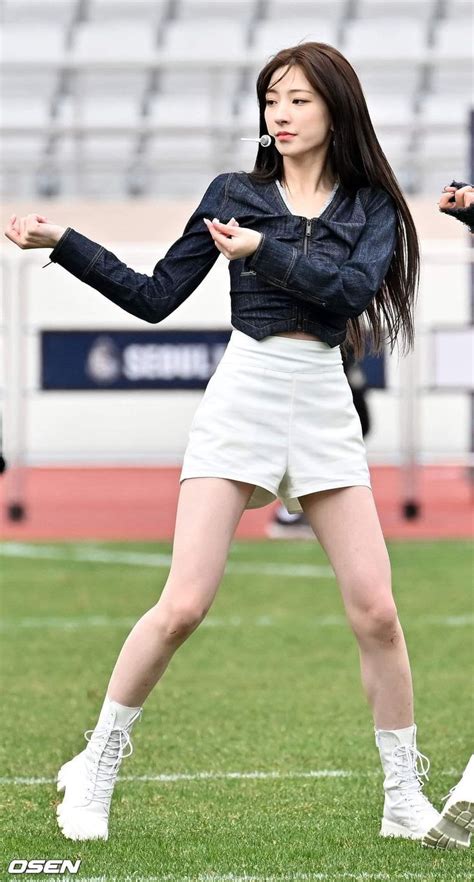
{"x": 264, "y": 140}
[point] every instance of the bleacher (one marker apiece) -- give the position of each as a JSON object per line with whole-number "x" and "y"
{"x": 109, "y": 98}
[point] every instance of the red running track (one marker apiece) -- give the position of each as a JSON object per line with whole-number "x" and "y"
{"x": 140, "y": 504}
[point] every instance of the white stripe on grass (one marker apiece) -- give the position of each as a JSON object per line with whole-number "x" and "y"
{"x": 174, "y": 777}
{"x": 262, "y": 621}
{"x": 210, "y": 776}
{"x": 89, "y": 554}
{"x": 285, "y": 877}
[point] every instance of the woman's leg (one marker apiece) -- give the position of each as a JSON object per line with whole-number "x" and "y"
{"x": 209, "y": 510}
{"x": 346, "y": 524}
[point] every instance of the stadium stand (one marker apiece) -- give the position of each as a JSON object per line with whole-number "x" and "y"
{"x": 83, "y": 77}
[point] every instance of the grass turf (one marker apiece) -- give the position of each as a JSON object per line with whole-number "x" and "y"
{"x": 269, "y": 683}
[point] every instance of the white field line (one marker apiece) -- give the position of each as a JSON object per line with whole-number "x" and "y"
{"x": 262, "y": 621}
{"x": 212, "y": 776}
{"x": 226, "y": 776}
{"x": 285, "y": 877}
{"x": 88, "y": 554}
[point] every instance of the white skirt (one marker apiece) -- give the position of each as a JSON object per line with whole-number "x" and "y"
{"x": 278, "y": 413}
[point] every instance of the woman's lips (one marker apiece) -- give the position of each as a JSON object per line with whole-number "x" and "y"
{"x": 285, "y": 136}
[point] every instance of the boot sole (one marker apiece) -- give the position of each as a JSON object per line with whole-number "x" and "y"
{"x": 390, "y": 828}
{"x": 454, "y": 828}
{"x": 66, "y": 823}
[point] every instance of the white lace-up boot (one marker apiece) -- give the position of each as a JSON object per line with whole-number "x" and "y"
{"x": 407, "y": 812}
{"x": 88, "y": 779}
{"x": 456, "y": 822}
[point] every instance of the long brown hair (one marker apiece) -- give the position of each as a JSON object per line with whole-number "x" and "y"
{"x": 357, "y": 159}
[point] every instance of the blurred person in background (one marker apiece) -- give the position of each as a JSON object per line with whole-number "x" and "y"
{"x": 456, "y": 823}
{"x": 457, "y": 200}
{"x": 301, "y": 290}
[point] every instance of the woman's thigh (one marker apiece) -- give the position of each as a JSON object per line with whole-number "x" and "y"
{"x": 209, "y": 510}
{"x": 346, "y": 523}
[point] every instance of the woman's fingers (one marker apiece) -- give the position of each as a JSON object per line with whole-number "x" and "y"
{"x": 445, "y": 201}
{"x": 33, "y": 231}
{"x": 461, "y": 196}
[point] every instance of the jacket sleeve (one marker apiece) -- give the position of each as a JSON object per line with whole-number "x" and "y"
{"x": 346, "y": 289}
{"x": 175, "y": 276}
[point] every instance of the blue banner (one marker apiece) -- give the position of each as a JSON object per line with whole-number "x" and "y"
{"x": 106, "y": 360}
{"x": 130, "y": 360}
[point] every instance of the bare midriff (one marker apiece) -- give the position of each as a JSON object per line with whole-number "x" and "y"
{"x": 298, "y": 335}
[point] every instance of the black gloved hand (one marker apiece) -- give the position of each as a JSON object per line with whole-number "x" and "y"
{"x": 465, "y": 215}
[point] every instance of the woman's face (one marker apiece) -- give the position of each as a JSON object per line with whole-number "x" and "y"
{"x": 292, "y": 105}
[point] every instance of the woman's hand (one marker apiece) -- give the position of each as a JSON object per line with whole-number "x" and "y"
{"x": 233, "y": 241}
{"x": 33, "y": 231}
{"x": 463, "y": 197}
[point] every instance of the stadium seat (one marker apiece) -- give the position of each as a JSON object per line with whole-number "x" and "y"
{"x": 388, "y": 78}
{"x": 106, "y": 84}
{"x": 150, "y": 11}
{"x": 45, "y": 43}
{"x": 181, "y": 151}
{"x": 437, "y": 112}
{"x": 198, "y": 80}
{"x": 23, "y": 148}
{"x": 216, "y": 9}
{"x": 116, "y": 41}
{"x": 452, "y": 80}
{"x": 432, "y": 177}
{"x": 451, "y": 147}
{"x": 248, "y": 113}
{"x": 88, "y": 112}
{"x": 452, "y": 40}
{"x": 271, "y": 36}
{"x": 191, "y": 184}
{"x": 117, "y": 150}
{"x": 38, "y": 11}
{"x": 93, "y": 166}
{"x": 421, "y": 9}
{"x": 397, "y": 112}
{"x": 393, "y": 144}
{"x": 22, "y": 156}
{"x": 204, "y": 39}
{"x": 327, "y": 9}
{"x": 398, "y": 38}
{"x": 29, "y": 113}
{"x": 169, "y": 111}
{"x": 20, "y": 83}
{"x": 458, "y": 9}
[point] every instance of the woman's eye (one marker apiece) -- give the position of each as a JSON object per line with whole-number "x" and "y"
{"x": 299, "y": 100}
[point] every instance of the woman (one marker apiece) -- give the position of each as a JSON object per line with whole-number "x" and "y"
{"x": 319, "y": 238}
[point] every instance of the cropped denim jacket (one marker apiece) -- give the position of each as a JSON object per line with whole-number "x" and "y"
{"x": 306, "y": 274}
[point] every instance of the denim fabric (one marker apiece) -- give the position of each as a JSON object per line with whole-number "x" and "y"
{"x": 306, "y": 274}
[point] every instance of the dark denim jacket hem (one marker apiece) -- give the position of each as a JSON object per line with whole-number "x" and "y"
{"x": 292, "y": 324}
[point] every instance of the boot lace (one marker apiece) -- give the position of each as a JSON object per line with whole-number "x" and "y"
{"x": 105, "y": 759}
{"x": 411, "y": 767}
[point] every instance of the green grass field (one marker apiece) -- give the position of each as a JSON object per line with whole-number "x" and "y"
{"x": 269, "y": 683}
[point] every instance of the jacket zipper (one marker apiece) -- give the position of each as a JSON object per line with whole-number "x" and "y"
{"x": 307, "y": 235}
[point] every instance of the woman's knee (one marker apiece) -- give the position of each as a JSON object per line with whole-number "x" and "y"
{"x": 376, "y": 618}
{"x": 178, "y": 619}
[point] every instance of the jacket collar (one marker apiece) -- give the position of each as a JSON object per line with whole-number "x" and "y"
{"x": 269, "y": 196}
